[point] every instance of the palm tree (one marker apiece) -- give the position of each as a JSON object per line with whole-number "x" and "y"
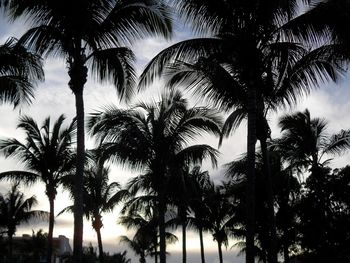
{"x": 305, "y": 144}
{"x": 137, "y": 245}
{"x": 15, "y": 210}
{"x": 145, "y": 241}
{"x": 99, "y": 197}
{"x": 251, "y": 65}
{"x": 155, "y": 138}
{"x": 220, "y": 216}
{"x": 19, "y": 72}
{"x": 187, "y": 195}
{"x": 305, "y": 141}
{"x": 198, "y": 184}
{"x": 47, "y": 155}
{"x": 95, "y": 40}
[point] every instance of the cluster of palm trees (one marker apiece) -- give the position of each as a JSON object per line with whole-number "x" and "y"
{"x": 255, "y": 57}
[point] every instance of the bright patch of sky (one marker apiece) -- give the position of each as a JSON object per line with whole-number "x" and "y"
{"x": 53, "y": 98}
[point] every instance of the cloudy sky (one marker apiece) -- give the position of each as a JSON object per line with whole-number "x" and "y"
{"x": 53, "y": 98}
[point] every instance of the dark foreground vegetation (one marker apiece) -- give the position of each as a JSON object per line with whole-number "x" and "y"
{"x": 281, "y": 201}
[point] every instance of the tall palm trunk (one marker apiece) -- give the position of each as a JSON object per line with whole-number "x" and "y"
{"x": 250, "y": 193}
{"x": 201, "y": 242}
{"x": 78, "y": 185}
{"x": 100, "y": 246}
{"x": 184, "y": 254}
{"x": 220, "y": 252}
{"x": 78, "y": 77}
{"x": 51, "y": 225}
{"x": 10, "y": 247}
{"x": 162, "y": 245}
{"x": 155, "y": 251}
{"x": 272, "y": 254}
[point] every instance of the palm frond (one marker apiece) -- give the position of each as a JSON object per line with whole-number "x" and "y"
{"x": 194, "y": 155}
{"x": 25, "y": 177}
{"x": 338, "y": 143}
{"x": 139, "y": 19}
{"x": 188, "y": 49}
{"x": 116, "y": 66}
{"x": 232, "y": 122}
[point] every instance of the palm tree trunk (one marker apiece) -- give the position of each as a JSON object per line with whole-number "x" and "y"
{"x": 201, "y": 243}
{"x": 78, "y": 185}
{"x": 100, "y": 246}
{"x": 162, "y": 245}
{"x": 51, "y": 225}
{"x": 220, "y": 252}
{"x": 272, "y": 254}
{"x": 155, "y": 251}
{"x": 184, "y": 256}
{"x": 250, "y": 193}
{"x": 78, "y": 77}
{"x": 10, "y": 245}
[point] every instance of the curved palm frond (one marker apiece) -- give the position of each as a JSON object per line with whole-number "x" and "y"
{"x": 27, "y": 178}
{"x": 116, "y": 66}
{"x": 188, "y": 49}
{"x": 194, "y": 155}
{"x": 20, "y": 70}
{"x": 232, "y": 122}
{"x": 338, "y": 143}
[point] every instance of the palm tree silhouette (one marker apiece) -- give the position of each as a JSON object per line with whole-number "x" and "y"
{"x": 95, "y": 40}
{"x": 19, "y": 72}
{"x": 47, "y": 155}
{"x": 305, "y": 142}
{"x": 145, "y": 240}
{"x": 198, "y": 184}
{"x": 253, "y": 63}
{"x": 15, "y": 209}
{"x": 154, "y": 137}
{"x": 100, "y": 196}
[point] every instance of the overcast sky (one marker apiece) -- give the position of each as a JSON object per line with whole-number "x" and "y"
{"x": 53, "y": 98}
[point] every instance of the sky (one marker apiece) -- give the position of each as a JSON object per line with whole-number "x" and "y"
{"x": 53, "y": 98}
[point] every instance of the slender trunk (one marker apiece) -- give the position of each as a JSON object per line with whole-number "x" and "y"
{"x": 220, "y": 252}
{"x": 78, "y": 186}
{"x": 162, "y": 244}
{"x": 250, "y": 193}
{"x": 51, "y": 224}
{"x": 201, "y": 243}
{"x": 100, "y": 246}
{"x": 184, "y": 256}
{"x": 155, "y": 252}
{"x": 285, "y": 213}
{"x": 272, "y": 253}
{"x": 78, "y": 76}
{"x": 10, "y": 246}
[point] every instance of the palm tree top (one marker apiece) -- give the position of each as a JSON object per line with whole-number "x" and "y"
{"x": 168, "y": 126}
{"x": 99, "y": 23}
{"x": 306, "y": 138}
{"x": 46, "y": 149}
{"x": 20, "y": 71}
{"x": 16, "y": 209}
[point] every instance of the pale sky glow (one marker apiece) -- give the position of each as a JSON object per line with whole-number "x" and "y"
{"x": 53, "y": 98}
